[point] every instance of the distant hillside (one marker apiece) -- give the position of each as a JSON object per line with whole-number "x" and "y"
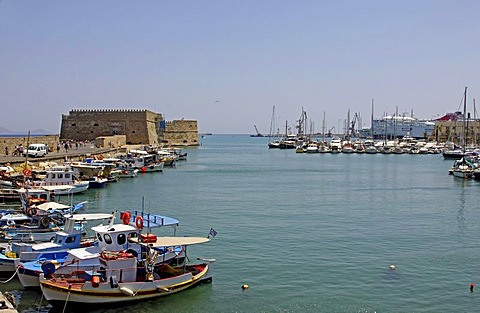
{"x": 35, "y": 132}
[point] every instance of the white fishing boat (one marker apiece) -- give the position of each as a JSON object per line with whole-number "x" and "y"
{"x": 113, "y": 238}
{"x": 123, "y": 279}
{"x": 61, "y": 176}
{"x": 128, "y": 172}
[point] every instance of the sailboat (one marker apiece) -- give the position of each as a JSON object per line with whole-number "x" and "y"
{"x": 463, "y": 168}
{"x": 275, "y": 140}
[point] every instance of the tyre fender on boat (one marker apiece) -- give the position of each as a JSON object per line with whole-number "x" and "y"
{"x": 127, "y": 291}
{"x": 32, "y": 211}
{"x": 48, "y": 269}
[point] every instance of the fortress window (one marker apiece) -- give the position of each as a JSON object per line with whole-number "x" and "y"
{"x": 133, "y": 132}
{"x": 74, "y": 124}
{"x": 96, "y": 124}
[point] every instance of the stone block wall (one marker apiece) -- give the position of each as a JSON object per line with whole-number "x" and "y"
{"x": 180, "y": 133}
{"x": 11, "y": 142}
{"x": 139, "y": 126}
{"x": 111, "y": 141}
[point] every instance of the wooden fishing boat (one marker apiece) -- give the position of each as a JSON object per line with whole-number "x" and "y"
{"x": 122, "y": 279}
{"x": 111, "y": 237}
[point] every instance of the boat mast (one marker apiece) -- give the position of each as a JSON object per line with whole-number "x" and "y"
{"x": 464, "y": 119}
{"x": 475, "y": 124}
{"x": 26, "y": 159}
{"x": 371, "y": 122}
{"x": 272, "y": 122}
{"x": 323, "y": 127}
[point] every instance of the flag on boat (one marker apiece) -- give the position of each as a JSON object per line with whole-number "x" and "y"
{"x": 212, "y": 233}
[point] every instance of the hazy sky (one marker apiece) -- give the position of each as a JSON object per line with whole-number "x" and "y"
{"x": 226, "y": 63}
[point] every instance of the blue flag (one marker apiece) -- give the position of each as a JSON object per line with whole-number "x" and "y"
{"x": 212, "y": 233}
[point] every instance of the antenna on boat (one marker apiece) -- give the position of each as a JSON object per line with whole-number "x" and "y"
{"x": 111, "y": 220}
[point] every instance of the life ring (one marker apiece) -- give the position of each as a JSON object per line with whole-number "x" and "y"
{"x": 32, "y": 211}
{"x": 27, "y": 172}
{"x": 126, "y": 218}
{"x": 139, "y": 222}
{"x": 11, "y": 223}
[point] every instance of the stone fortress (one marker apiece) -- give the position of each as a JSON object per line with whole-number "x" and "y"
{"x": 132, "y": 127}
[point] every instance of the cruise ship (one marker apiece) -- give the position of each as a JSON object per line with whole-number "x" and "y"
{"x": 399, "y": 126}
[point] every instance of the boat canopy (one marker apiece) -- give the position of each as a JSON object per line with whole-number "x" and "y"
{"x": 58, "y": 187}
{"x": 52, "y": 206}
{"x": 89, "y": 217}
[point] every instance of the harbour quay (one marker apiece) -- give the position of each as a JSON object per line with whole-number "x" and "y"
{"x": 74, "y": 154}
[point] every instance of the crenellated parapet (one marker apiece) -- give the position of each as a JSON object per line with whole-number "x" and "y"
{"x": 97, "y": 111}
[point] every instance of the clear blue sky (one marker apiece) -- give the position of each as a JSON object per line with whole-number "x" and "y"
{"x": 226, "y": 63}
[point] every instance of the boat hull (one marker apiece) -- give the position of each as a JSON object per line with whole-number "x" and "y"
{"x": 107, "y": 293}
{"x": 7, "y": 265}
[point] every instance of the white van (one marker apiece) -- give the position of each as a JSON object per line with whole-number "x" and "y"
{"x": 36, "y": 150}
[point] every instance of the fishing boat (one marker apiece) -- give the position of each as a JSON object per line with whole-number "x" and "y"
{"x": 110, "y": 237}
{"x": 9, "y": 195}
{"x": 144, "y": 162}
{"x": 124, "y": 279}
{"x": 93, "y": 173}
{"x": 128, "y": 173}
{"x": 28, "y": 236}
{"x": 62, "y": 176}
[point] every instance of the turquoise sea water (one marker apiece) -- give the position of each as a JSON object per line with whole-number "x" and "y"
{"x": 310, "y": 232}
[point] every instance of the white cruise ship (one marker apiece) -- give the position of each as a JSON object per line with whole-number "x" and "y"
{"x": 399, "y": 126}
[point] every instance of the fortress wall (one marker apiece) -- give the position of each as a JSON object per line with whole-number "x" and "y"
{"x": 181, "y": 133}
{"x": 138, "y": 126}
{"x": 11, "y": 142}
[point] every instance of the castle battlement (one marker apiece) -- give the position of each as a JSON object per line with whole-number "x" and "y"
{"x": 81, "y": 111}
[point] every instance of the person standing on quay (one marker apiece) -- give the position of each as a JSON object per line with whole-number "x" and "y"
{"x": 6, "y": 150}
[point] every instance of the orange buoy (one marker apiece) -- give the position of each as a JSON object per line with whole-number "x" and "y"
{"x": 95, "y": 281}
{"x": 144, "y": 169}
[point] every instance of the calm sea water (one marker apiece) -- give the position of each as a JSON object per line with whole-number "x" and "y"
{"x": 310, "y": 232}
